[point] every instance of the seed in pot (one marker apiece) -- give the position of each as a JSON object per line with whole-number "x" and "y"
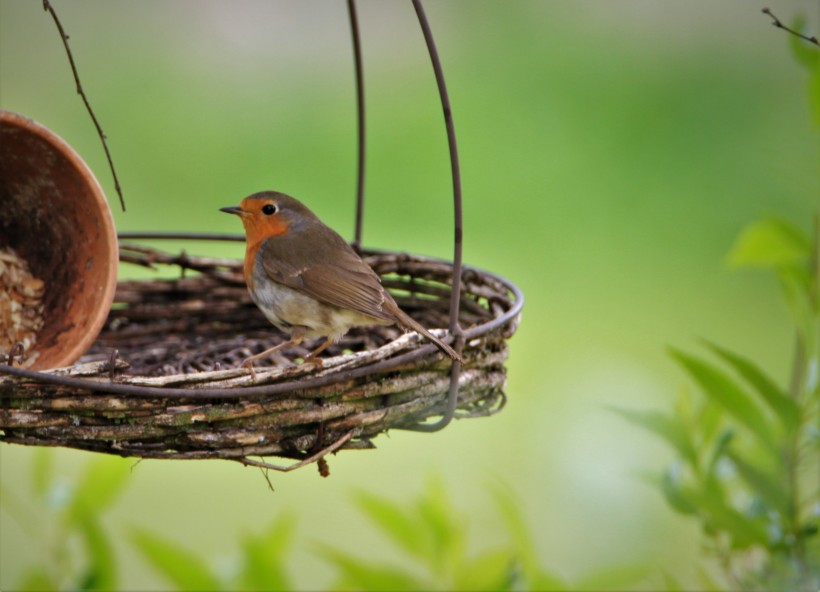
{"x": 21, "y": 306}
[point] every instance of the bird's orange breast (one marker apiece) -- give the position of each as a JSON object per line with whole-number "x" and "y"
{"x": 256, "y": 233}
{"x": 250, "y": 259}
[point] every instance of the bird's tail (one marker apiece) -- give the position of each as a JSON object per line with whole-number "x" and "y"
{"x": 409, "y": 323}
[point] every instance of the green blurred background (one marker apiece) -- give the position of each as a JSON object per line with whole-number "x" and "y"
{"x": 611, "y": 152}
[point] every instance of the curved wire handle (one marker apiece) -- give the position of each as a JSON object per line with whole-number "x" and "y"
{"x": 357, "y": 58}
{"x": 455, "y": 297}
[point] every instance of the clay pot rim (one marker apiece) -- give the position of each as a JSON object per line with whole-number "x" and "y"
{"x": 83, "y": 341}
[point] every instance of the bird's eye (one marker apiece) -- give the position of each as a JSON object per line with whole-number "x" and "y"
{"x": 269, "y": 209}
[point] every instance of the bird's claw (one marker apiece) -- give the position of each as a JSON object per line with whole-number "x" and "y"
{"x": 315, "y": 361}
{"x": 248, "y": 365}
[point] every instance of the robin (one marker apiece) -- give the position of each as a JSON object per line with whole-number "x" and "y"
{"x": 308, "y": 280}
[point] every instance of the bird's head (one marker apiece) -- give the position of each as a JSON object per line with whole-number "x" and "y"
{"x": 270, "y": 213}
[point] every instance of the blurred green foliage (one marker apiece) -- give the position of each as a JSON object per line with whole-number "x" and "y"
{"x": 748, "y": 466}
{"x": 66, "y": 519}
{"x": 433, "y": 537}
{"x": 431, "y": 534}
{"x": 748, "y": 450}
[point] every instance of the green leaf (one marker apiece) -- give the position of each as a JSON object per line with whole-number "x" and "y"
{"x": 101, "y": 573}
{"x": 491, "y": 570}
{"x": 808, "y": 55}
{"x": 682, "y": 499}
{"x": 535, "y": 577}
{"x": 708, "y": 583}
{"x": 671, "y": 583}
{"x": 406, "y": 531}
{"x": 745, "y": 531}
{"x": 770, "y": 244}
{"x": 814, "y": 93}
{"x": 648, "y": 477}
{"x": 713, "y": 494}
{"x": 544, "y": 580}
{"x": 445, "y": 531}
{"x": 356, "y": 574}
{"x": 724, "y": 391}
{"x": 770, "y": 488}
{"x": 522, "y": 542}
{"x": 798, "y": 296}
{"x": 709, "y": 420}
{"x": 264, "y": 566}
{"x": 620, "y": 577}
{"x": 101, "y": 484}
{"x": 718, "y": 450}
{"x": 37, "y": 580}
{"x": 41, "y": 471}
{"x": 667, "y": 428}
{"x": 182, "y": 568}
{"x": 784, "y": 406}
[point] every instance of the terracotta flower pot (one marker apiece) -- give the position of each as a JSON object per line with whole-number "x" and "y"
{"x": 54, "y": 214}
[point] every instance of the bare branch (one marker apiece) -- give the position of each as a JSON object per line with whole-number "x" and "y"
{"x": 50, "y": 9}
{"x": 777, "y": 23}
{"x": 312, "y": 458}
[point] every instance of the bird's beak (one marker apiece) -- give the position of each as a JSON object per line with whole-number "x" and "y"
{"x": 233, "y": 210}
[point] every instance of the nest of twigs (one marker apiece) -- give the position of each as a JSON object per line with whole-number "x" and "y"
{"x": 163, "y": 379}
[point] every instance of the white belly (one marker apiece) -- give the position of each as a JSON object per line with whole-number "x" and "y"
{"x": 287, "y": 308}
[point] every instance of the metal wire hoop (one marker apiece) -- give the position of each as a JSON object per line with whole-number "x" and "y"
{"x": 458, "y": 231}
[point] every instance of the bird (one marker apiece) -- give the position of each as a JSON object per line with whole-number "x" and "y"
{"x": 308, "y": 281}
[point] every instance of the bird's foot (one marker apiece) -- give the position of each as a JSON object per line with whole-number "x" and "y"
{"x": 315, "y": 361}
{"x": 248, "y": 365}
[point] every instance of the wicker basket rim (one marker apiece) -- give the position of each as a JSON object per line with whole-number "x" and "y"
{"x": 271, "y": 389}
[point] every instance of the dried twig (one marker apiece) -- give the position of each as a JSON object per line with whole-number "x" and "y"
{"x": 312, "y": 458}
{"x": 777, "y": 23}
{"x": 50, "y": 9}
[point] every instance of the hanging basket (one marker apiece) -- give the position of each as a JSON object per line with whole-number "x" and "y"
{"x": 162, "y": 380}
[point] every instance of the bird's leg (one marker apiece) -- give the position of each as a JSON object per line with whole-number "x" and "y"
{"x": 296, "y": 338}
{"x": 312, "y": 357}
{"x": 248, "y": 362}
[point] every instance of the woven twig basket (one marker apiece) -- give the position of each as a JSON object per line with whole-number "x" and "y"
{"x": 162, "y": 379}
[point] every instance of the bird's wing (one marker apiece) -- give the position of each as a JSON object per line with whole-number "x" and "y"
{"x": 331, "y": 272}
